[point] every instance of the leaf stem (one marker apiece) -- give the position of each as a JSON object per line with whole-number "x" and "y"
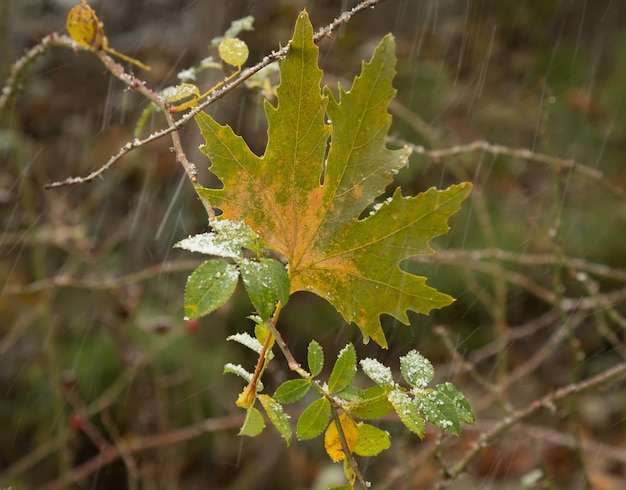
{"x": 344, "y": 447}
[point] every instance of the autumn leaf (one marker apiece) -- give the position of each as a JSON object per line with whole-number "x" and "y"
{"x": 325, "y": 163}
{"x": 332, "y": 440}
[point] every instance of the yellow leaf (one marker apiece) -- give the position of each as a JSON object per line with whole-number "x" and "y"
{"x": 183, "y": 91}
{"x": 84, "y": 27}
{"x": 332, "y": 441}
{"x": 233, "y": 51}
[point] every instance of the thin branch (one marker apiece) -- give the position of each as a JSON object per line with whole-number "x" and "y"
{"x": 13, "y": 83}
{"x": 608, "y": 299}
{"x": 522, "y": 153}
{"x": 102, "y": 282}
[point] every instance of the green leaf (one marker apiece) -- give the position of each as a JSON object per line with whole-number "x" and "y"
{"x": 371, "y": 440}
{"x": 409, "y": 413}
{"x": 305, "y": 194}
{"x": 277, "y": 416}
{"x": 372, "y": 405}
{"x": 266, "y": 282}
{"x": 416, "y": 369}
{"x": 291, "y": 391}
{"x": 313, "y": 420}
{"x": 439, "y": 410}
{"x": 253, "y": 425}
{"x": 377, "y": 372}
{"x": 226, "y": 240}
{"x": 315, "y": 358}
{"x": 344, "y": 369}
{"x": 209, "y": 287}
{"x": 463, "y": 408}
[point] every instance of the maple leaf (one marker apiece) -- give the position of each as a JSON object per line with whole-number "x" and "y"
{"x": 326, "y": 161}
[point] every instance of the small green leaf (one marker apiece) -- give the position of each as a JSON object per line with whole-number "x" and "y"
{"x": 266, "y": 282}
{"x": 373, "y": 404}
{"x": 313, "y": 420}
{"x": 463, "y": 408}
{"x": 209, "y": 287}
{"x": 233, "y": 51}
{"x": 344, "y": 487}
{"x": 277, "y": 416}
{"x": 315, "y": 358}
{"x": 439, "y": 410}
{"x": 254, "y": 423}
{"x": 371, "y": 440}
{"x": 344, "y": 369}
{"x": 291, "y": 391}
{"x": 416, "y": 369}
{"x": 377, "y": 372}
{"x": 407, "y": 410}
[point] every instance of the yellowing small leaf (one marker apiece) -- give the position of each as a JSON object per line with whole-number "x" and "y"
{"x": 233, "y": 51}
{"x": 332, "y": 441}
{"x": 84, "y": 27}
{"x": 183, "y": 92}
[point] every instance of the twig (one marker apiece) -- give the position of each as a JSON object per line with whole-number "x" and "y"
{"x": 12, "y": 85}
{"x": 568, "y": 304}
{"x": 102, "y": 282}
{"x": 522, "y": 153}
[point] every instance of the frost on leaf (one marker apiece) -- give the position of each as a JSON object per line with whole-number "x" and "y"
{"x": 226, "y": 240}
{"x": 377, "y": 372}
{"x": 240, "y": 371}
{"x": 304, "y": 195}
{"x": 416, "y": 369}
{"x": 250, "y": 342}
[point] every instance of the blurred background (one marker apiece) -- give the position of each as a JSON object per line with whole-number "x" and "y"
{"x": 105, "y": 386}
